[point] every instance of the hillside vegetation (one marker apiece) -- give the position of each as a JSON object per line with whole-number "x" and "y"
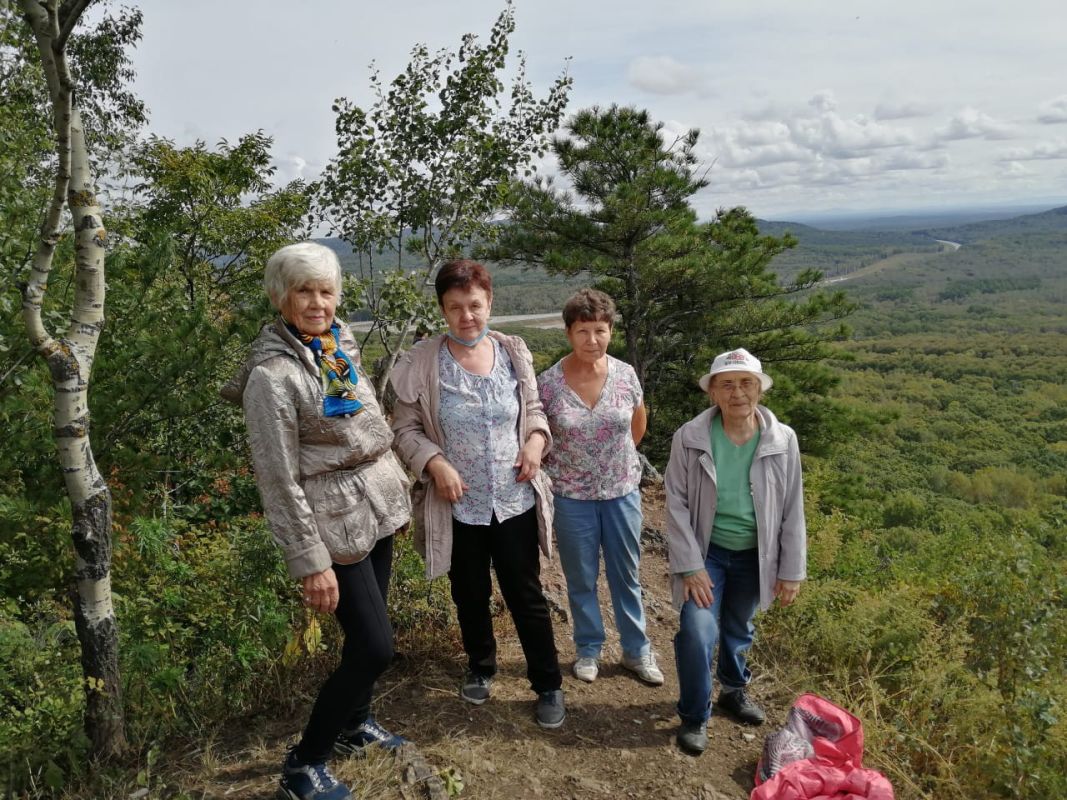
{"x": 936, "y": 606}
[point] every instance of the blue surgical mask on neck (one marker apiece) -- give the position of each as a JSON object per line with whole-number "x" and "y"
{"x": 469, "y": 342}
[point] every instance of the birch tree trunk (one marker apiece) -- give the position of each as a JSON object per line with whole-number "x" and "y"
{"x": 70, "y": 360}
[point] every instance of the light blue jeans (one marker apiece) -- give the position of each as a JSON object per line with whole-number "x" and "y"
{"x": 727, "y": 625}
{"x": 583, "y": 529}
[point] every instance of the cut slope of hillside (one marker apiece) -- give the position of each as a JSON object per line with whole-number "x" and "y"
{"x": 1051, "y": 221}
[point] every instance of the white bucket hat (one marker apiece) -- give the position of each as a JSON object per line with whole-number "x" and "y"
{"x": 739, "y": 360}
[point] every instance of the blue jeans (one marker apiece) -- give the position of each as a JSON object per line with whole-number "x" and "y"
{"x": 727, "y": 624}
{"x": 583, "y": 529}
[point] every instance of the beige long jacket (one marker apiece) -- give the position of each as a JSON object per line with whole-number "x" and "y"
{"x": 777, "y": 495}
{"x": 419, "y": 438}
{"x": 331, "y": 487}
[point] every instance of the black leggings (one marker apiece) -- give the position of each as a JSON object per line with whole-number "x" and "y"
{"x": 344, "y": 700}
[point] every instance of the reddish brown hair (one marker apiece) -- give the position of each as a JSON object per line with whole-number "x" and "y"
{"x": 589, "y": 305}
{"x": 462, "y": 274}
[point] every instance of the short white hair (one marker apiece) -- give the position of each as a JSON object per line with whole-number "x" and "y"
{"x": 296, "y": 264}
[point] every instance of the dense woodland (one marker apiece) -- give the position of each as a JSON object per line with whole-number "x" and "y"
{"x": 934, "y": 429}
{"x": 938, "y": 544}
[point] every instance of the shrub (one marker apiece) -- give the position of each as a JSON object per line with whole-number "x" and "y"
{"x": 421, "y": 611}
{"x": 205, "y": 613}
{"x": 41, "y": 693}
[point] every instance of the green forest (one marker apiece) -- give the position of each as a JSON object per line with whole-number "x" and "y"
{"x": 938, "y": 539}
{"x": 928, "y": 387}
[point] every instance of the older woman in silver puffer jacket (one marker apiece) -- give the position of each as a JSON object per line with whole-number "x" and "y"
{"x": 333, "y": 494}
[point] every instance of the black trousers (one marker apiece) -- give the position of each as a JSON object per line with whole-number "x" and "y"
{"x": 344, "y": 699}
{"x": 511, "y": 547}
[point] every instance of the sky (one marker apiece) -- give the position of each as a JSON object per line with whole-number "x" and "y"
{"x": 805, "y": 107}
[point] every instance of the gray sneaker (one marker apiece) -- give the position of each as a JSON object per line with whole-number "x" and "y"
{"x": 476, "y": 688}
{"x": 737, "y": 703}
{"x": 693, "y": 737}
{"x": 550, "y": 709}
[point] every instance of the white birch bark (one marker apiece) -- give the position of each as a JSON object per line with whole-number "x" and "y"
{"x": 70, "y": 359}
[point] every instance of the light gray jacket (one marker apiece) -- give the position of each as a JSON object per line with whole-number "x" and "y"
{"x": 331, "y": 487}
{"x": 777, "y": 494}
{"x": 419, "y": 438}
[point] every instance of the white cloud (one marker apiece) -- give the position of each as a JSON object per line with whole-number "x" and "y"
{"x": 914, "y": 160}
{"x": 762, "y": 134}
{"x": 891, "y": 111}
{"x": 813, "y": 144}
{"x": 1038, "y": 152}
{"x": 663, "y": 75}
{"x": 970, "y": 123}
{"x": 823, "y": 101}
{"x": 831, "y": 173}
{"x": 293, "y": 166}
{"x": 298, "y": 165}
{"x": 1054, "y": 111}
{"x": 1013, "y": 169}
{"x": 783, "y": 109}
{"x": 734, "y": 155}
{"x": 830, "y": 134}
{"x": 768, "y": 112}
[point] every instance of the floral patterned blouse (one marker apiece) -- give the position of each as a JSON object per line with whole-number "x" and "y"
{"x": 593, "y": 456}
{"x": 479, "y": 417}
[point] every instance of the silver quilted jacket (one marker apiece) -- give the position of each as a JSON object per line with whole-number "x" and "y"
{"x": 331, "y": 487}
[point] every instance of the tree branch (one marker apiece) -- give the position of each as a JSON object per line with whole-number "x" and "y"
{"x": 41, "y": 18}
{"x": 69, "y": 14}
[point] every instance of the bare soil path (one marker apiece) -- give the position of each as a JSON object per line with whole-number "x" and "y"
{"x": 617, "y": 741}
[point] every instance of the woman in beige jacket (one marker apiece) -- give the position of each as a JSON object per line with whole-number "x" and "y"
{"x": 333, "y": 494}
{"x": 469, "y": 425}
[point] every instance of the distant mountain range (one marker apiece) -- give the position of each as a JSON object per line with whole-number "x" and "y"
{"x": 1051, "y": 221}
{"x": 817, "y": 237}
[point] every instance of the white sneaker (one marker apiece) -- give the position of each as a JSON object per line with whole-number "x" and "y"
{"x": 586, "y": 669}
{"x": 645, "y": 668}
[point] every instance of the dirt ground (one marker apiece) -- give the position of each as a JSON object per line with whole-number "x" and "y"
{"x": 617, "y": 741}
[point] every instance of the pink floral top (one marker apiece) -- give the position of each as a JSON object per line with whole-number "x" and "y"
{"x": 593, "y": 456}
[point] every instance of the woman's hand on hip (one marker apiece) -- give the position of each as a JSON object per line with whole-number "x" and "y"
{"x": 320, "y": 591}
{"x": 786, "y": 591}
{"x": 697, "y": 587}
{"x": 447, "y": 483}
{"x": 529, "y": 461}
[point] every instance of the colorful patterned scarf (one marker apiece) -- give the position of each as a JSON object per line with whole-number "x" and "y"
{"x": 339, "y": 377}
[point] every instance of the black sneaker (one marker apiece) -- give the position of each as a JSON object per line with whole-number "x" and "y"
{"x": 693, "y": 737}
{"x": 476, "y": 688}
{"x": 550, "y": 709}
{"x": 356, "y": 742}
{"x": 738, "y": 704}
{"x": 309, "y": 782}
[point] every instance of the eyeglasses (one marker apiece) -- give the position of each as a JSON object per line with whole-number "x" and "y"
{"x": 746, "y": 385}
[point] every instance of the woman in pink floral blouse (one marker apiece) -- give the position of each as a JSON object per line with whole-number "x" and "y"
{"x": 596, "y": 412}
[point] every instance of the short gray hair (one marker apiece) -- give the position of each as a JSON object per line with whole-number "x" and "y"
{"x": 297, "y": 264}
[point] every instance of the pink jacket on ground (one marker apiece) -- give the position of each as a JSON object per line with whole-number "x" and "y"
{"x": 834, "y": 772}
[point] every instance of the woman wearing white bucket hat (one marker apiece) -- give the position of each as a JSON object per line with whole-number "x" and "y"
{"x": 736, "y": 536}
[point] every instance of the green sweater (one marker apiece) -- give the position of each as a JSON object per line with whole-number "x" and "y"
{"x": 734, "y": 527}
